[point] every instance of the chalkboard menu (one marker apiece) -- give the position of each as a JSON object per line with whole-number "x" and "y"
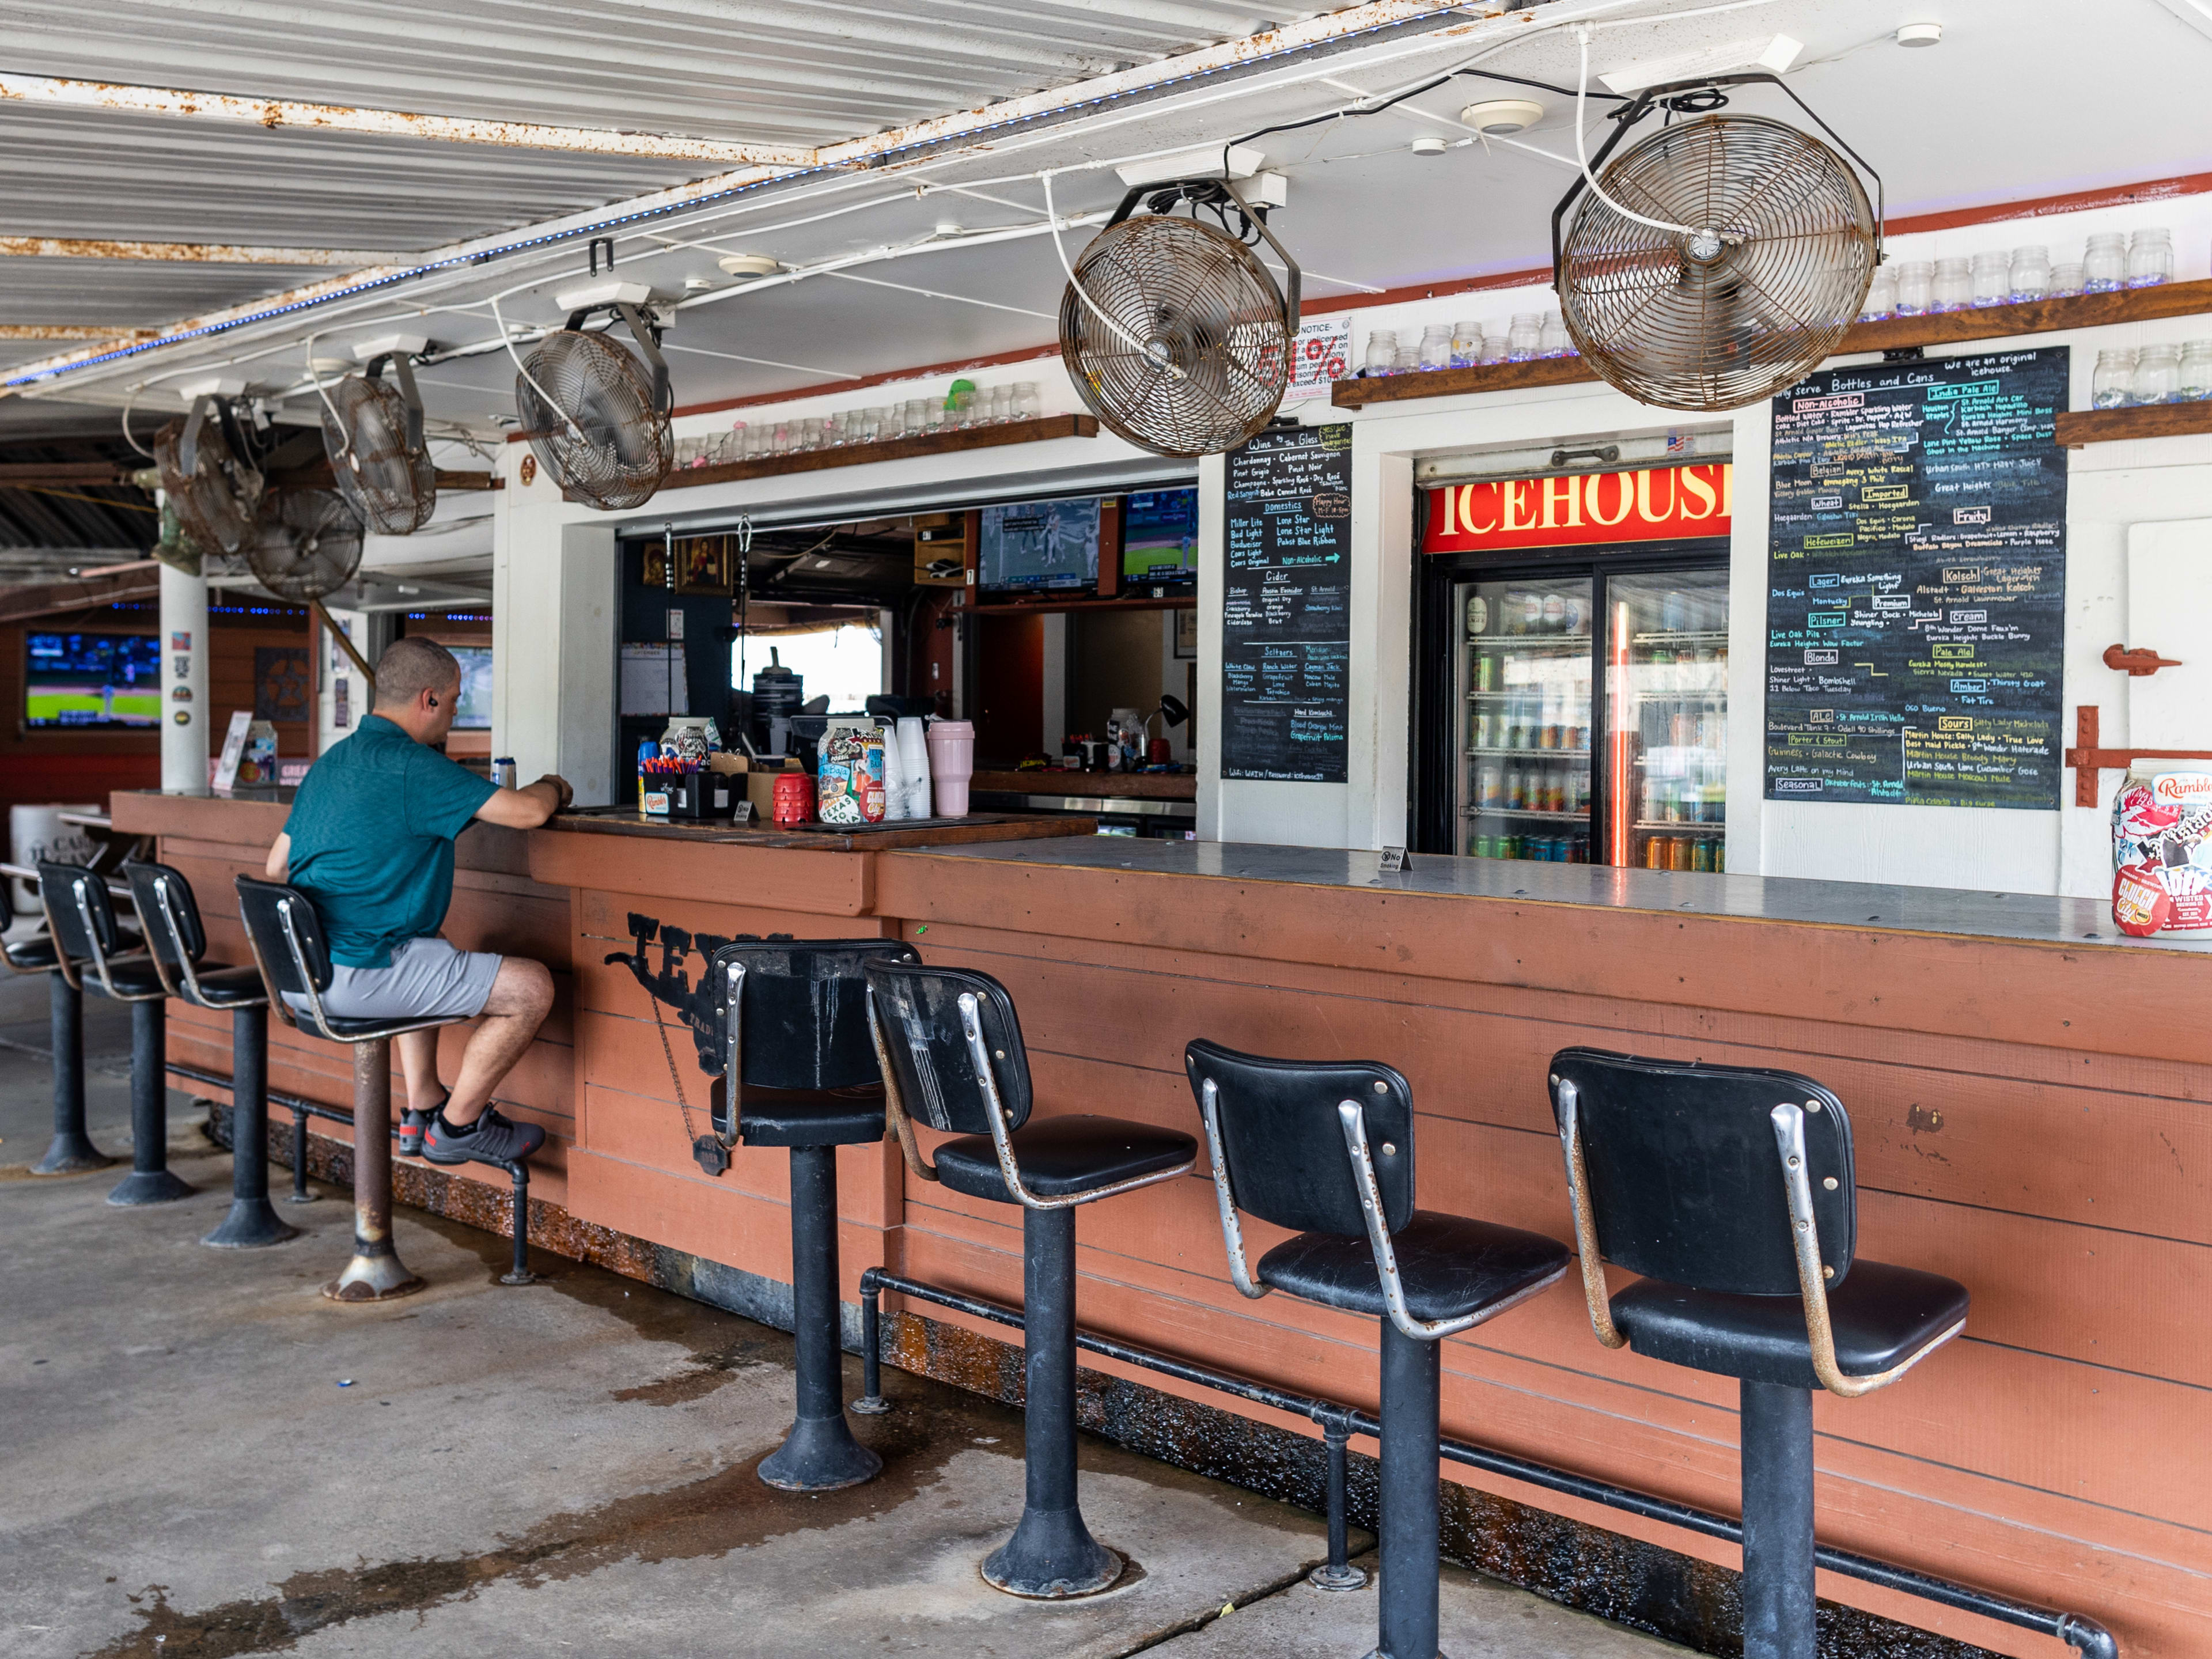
{"x": 1917, "y": 584}
{"x": 1286, "y": 622}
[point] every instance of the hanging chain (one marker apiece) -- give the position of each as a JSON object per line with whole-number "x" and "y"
{"x": 669, "y": 1055}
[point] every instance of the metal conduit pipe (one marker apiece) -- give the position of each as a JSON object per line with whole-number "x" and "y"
{"x": 2085, "y": 1635}
{"x": 302, "y": 1109}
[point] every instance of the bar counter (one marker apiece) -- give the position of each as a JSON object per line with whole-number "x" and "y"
{"x": 2027, "y": 1090}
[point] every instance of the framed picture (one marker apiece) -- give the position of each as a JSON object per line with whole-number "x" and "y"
{"x": 654, "y": 573}
{"x": 281, "y": 674}
{"x": 1186, "y": 641}
{"x": 702, "y": 565}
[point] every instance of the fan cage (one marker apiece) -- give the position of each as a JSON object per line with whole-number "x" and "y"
{"x": 1799, "y": 252}
{"x": 393, "y": 492}
{"x": 214, "y": 505}
{"x": 601, "y": 437}
{"x": 1215, "y": 324}
{"x": 307, "y": 544}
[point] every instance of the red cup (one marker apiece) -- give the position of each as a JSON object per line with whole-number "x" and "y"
{"x": 1161, "y": 751}
{"x": 794, "y": 798}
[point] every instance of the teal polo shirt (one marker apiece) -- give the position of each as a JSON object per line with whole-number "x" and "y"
{"x": 373, "y": 829}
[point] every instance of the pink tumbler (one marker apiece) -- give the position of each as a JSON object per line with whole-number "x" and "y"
{"x": 951, "y": 763}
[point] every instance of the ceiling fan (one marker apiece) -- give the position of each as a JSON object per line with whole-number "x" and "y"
{"x": 595, "y": 413}
{"x": 373, "y": 433}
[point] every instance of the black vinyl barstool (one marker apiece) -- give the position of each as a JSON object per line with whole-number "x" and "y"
{"x": 71, "y": 1151}
{"x": 288, "y": 948}
{"x": 81, "y": 921}
{"x": 1731, "y": 1190}
{"x": 793, "y": 1018}
{"x": 952, "y": 1055}
{"x": 169, "y": 918}
{"x": 1326, "y": 1148}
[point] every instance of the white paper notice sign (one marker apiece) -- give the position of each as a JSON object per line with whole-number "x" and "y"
{"x": 1324, "y": 355}
{"x": 233, "y": 747}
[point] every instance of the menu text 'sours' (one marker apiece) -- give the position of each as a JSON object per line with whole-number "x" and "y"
{"x": 1917, "y": 584}
{"x": 1286, "y": 622}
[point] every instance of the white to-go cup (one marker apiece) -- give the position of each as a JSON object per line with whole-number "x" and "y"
{"x": 951, "y": 763}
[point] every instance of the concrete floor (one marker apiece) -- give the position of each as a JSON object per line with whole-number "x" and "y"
{"x": 202, "y": 1459}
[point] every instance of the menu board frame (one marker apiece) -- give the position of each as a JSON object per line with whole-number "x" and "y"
{"x": 1917, "y": 584}
{"x": 1286, "y": 612}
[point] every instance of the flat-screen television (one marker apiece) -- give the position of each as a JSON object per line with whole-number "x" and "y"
{"x": 92, "y": 679}
{"x": 1159, "y": 537}
{"x": 475, "y": 712}
{"x": 1040, "y": 546}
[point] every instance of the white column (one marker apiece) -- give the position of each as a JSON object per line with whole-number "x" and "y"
{"x": 342, "y": 695}
{"x": 555, "y": 611}
{"x": 184, "y": 647}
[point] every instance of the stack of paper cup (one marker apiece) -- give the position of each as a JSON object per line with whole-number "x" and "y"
{"x": 914, "y": 765}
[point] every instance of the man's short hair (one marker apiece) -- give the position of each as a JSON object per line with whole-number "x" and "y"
{"x": 409, "y": 667}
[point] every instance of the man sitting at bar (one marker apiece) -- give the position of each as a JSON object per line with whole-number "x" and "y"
{"x": 370, "y": 840}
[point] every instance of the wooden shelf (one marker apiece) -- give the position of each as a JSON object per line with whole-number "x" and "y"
{"x": 889, "y": 449}
{"x": 2134, "y": 305}
{"x": 2105, "y": 426}
{"x": 1048, "y": 607}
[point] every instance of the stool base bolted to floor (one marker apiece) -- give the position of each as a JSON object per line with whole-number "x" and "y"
{"x": 520, "y": 1274}
{"x": 376, "y": 1273}
{"x": 819, "y": 1454}
{"x": 253, "y": 1222}
{"x": 71, "y": 1151}
{"x": 151, "y": 1179}
{"x": 1052, "y": 1554}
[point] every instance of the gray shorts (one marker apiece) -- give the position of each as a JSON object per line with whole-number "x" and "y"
{"x": 428, "y": 979}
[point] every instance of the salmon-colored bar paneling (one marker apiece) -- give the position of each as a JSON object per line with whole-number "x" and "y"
{"x": 2031, "y": 1118}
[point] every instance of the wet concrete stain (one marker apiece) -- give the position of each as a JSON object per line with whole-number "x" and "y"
{"x": 731, "y": 1509}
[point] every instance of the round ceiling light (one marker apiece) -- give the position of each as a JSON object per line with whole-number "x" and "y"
{"x": 1920, "y": 34}
{"x": 750, "y": 264}
{"x": 1503, "y": 116}
{"x": 1429, "y": 146}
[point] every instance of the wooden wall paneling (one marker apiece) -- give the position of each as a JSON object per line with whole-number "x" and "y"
{"x": 804, "y": 883}
{"x": 2112, "y": 1000}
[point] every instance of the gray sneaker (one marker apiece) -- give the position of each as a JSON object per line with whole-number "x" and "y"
{"x": 491, "y": 1138}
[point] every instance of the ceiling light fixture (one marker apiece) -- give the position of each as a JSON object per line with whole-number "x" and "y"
{"x": 1428, "y": 145}
{"x": 947, "y": 228}
{"x": 751, "y": 265}
{"x": 1920, "y": 34}
{"x": 1503, "y": 116}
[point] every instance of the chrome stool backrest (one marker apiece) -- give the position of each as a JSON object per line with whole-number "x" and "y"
{"x": 169, "y": 916}
{"x": 950, "y": 1052}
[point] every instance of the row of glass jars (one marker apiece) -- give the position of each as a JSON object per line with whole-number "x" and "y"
{"x": 1994, "y": 277}
{"x": 965, "y": 405}
{"x": 1531, "y": 334}
{"x": 2153, "y": 375}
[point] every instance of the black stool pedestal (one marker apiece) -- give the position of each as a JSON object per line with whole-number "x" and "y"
{"x": 1779, "y": 1600}
{"x": 375, "y": 1273}
{"x": 150, "y": 1181}
{"x": 72, "y": 1150}
{"x": 253, "y": 1222}
{"x": 1052, "y": 1554}
{"x": 1412, "y": 1382}
{"x": 819, "y": 1454}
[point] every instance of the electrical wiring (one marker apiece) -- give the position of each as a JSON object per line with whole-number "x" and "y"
{"x": 1582, "y": 154}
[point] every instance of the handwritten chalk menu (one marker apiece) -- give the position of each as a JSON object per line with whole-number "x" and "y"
{"x": 1286, "y": 622}
{"x": 1917, "y": 584}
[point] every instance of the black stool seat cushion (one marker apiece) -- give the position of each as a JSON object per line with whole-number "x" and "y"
{"x": 1449, "y": 1266}
{"x": 133, "y": 977}
{"x": 811, "y": 1117}
{"x": 1063, "y": 1156}
{"x": 232, "y": 987}
{"x": 30, "y": 955}
{"x": 1880, "y": 1314}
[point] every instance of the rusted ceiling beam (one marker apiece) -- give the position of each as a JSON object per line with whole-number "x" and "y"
{"x": 116, "y": 584}
{"x": 184, "y": 253}
{"x": 397, "y": 124}
{"x": 73, "y": 331}
{"x": 18, "y": 474}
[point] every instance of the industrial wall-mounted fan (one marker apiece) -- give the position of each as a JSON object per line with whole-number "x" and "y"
{"x": 209, "y": 464}
{"x": 372, "y": 433}
{"x": 596, "y": 416}
{"x": 1175, "y": 335}
{"x": 306, "y": 544}
{"x": 1717, "y": 260}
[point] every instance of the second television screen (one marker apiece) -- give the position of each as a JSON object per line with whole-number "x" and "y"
{"x": 1159, "y": 536}
{"x": 1035, "y": 546}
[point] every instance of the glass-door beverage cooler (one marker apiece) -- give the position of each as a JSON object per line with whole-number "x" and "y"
{"x": 1585, "y": 712}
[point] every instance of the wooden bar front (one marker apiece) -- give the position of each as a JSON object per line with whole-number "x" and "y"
{"x": 2028, "y": 1093}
